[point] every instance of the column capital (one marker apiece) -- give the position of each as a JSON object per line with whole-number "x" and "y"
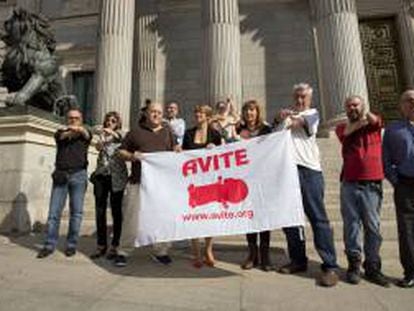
{"x": 324, "y": 8}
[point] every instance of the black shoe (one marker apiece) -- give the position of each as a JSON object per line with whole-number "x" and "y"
{"x": 292, "y": 268}
{"x": 70, "y": 252}
{"x": 44, "y": 252}
{"x": 165, "y": 260}
{"x": 353, "y": 276}
{"x": 112, "y": 254}
{"x": 100, "y": 252}
{"x": 120, "y": 261}
{"x": 266, "y": 267}
{"x": 406, "y": 282}
{"x": 378, "y": 278}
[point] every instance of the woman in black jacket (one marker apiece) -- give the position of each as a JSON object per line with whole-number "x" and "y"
{"x": 252, "y": 125}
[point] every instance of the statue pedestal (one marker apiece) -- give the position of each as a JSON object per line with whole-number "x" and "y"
{"x": 27, "y": 157}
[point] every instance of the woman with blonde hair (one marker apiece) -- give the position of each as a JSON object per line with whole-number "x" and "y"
{"x": 202, "y": 136}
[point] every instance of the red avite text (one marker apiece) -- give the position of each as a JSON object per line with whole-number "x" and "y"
{"x": 215, "y": 162}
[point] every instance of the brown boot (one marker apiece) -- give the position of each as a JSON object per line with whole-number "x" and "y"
{"x": 328, "y": 278}
{"x": 252, "y": 259}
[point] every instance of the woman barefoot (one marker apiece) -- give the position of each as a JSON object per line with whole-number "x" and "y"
{"x": 198, "y": 137}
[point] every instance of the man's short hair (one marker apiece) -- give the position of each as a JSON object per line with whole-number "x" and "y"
{"x": 173, "y": 102}
{"x": 74, "y": 108}
{"x": 352, "y": 97}
{"x": 154, "y": 104}
{"x": 406, "y": 95}
{"x": 303, "y": 87}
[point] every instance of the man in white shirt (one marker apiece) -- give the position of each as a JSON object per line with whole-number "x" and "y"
{"x": 303, "y": 121}
{"x": 177, "y": 124}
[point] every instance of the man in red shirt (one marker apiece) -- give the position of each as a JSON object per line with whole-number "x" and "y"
{"x": 361, "y": 190}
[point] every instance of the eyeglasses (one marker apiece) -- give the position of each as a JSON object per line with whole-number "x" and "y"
{"x": 73, "y": 118}
{"x": 112, "y": 120}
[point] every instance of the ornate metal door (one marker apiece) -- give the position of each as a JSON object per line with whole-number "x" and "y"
{"x": 382, "y": 65}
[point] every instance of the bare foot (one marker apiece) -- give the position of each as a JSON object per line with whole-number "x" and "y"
{"x": 209, "y": 260}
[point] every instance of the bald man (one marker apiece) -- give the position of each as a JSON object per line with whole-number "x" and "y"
{"x": 151, "y": 135}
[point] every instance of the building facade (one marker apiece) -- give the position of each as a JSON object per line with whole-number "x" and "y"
{"x": 114, "y": 54}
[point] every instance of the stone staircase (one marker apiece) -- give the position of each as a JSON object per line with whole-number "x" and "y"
{"x": 331, "y": 162}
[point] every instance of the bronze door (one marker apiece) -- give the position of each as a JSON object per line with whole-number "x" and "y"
{"x": 382, "y": 65}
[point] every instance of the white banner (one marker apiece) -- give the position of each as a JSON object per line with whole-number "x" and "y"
{"x": 238, "y": 188}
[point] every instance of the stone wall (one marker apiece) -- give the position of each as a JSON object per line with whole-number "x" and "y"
{"x": 27, "y": 157}
{"x": 277, "y": 51}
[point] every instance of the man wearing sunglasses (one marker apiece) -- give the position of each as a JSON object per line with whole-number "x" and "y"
{"x": 70, "y": 177}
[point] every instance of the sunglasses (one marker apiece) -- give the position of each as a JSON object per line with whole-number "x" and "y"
{"x": 73, "y": 118}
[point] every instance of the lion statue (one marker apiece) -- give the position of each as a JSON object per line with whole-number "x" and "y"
{"x": 30, "y": 70}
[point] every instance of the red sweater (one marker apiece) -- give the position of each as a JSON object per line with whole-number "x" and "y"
{"x": 362, "y": 153}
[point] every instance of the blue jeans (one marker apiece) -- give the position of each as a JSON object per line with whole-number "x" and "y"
{"x": 312, "y": 188}
{"x": 76, "y": 187}
{"x": 361, "y": 205}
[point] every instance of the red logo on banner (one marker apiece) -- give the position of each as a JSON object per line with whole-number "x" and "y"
{"x": 229, "y": 190}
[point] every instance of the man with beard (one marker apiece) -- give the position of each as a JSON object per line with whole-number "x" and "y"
{"x": 361, "y": 190}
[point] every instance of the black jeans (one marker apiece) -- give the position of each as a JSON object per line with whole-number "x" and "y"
{"x": 312, "y": 188}
{"x": 264, "y": 240}
{"x": 260, "y": 255}
{"x": 103, "y": 189}
{"x": 404, "y": 204}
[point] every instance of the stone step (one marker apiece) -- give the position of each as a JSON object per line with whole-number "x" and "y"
{"x": 389, "y": 249}
{"x": 388, "y": 231}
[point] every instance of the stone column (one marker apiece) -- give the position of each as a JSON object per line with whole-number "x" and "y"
{"x": 144, "y": 83}
{"x": 340, "y": 53}
{"x": 221, "y": 73}
{"x": 32, "y": 6}
{"x": 114, "y": 61}
{"x": 405, "y": 22}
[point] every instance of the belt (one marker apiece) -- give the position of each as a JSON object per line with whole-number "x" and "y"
{"x": 406, "y": 180}
{"x": 367, "y": 182}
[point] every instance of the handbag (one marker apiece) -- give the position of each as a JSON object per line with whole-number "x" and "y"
{"x": 60, "y": 177}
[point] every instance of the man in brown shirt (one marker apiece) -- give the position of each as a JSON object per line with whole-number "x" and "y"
{"x": 151, "y": 135}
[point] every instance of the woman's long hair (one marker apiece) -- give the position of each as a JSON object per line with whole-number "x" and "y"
{"x": 252, "y": 104}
